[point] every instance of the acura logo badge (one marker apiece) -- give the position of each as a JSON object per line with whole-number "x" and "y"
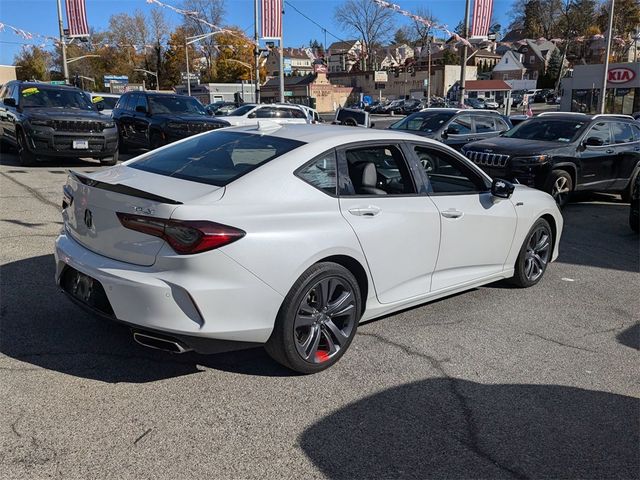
{"x": 88, "y": 219}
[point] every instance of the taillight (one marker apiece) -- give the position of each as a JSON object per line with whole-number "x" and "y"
{"x": 185, "y": 237}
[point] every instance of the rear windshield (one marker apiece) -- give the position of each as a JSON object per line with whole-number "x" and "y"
{"x": 108, "y": 102}
{"x": 428, "y": 122}
{"x": 547, "y": 130}
{"x": 217, "y": 158}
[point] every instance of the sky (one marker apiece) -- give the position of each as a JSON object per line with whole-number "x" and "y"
{"x": 40, "y": 16}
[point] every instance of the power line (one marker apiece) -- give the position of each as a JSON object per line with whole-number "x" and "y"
{"x": 315, "y": 23}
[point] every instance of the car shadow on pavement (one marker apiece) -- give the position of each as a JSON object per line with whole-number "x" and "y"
{"x": 9, "y": 158}
{"x": 40, "y": 326}
{"x": 630, "y": 337}
{"x": 457, "y": 429}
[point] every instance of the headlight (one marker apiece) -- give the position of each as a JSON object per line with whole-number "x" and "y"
{"x": 532, "y": 160}
{"x": 178, "y": 126}
{"x": 109, "y": 124}
{"x": 40, "y": 123}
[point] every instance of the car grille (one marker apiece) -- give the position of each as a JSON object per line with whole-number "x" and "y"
{"x": 203, "y": 127}
{"x": 487, "y": 159}
{"x": 87, "y": 126}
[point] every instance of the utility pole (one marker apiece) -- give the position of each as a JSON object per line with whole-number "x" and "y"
{"x": 186, "y": 54}
{"x": 256, "y": 52}
{"x": 429, "y": 74}
{"x": 65, "y": 68}
{"x": 463, "y": 65}
{"x": 603, "y": 91}
{"x": 282, "y": 58}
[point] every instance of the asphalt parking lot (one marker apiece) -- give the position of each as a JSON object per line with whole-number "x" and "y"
{"x": 493, "y": 383}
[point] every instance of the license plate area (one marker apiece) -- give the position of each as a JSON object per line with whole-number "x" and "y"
{"x": 81, "y": 144}
{"x": 86, "y": 290}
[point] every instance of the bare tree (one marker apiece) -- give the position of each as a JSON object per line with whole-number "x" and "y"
{"x": 159, "y": 33}
{"x": 422, "y": 32}
{"x": 372, "y": 22}
{"x": 212, "y": 12}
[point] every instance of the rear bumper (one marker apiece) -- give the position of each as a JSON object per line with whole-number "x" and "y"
{"x": 205, "y": 296}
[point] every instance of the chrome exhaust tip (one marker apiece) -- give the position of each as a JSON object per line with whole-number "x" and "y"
{"x": 159, "y": 343}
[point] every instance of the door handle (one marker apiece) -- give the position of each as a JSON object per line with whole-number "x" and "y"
{"x": 370, "y": 211}
{"x": 610, "y": 150}
{"x": 452, "y": 213}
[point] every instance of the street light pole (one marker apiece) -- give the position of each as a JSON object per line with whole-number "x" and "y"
{"x": 188, "y": 41}
{"x": 256, "y": 52}
{"x": 65, "y": 68}
{"x": 605, "y": 74}
{"x": 429, "y": 75}
{"x": 148, "y": 72}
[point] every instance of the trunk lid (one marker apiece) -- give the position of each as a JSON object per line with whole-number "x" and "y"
{"x": 95, "y": 199}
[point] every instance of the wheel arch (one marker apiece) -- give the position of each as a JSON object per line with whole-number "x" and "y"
{"x": 571, "y": 169}
{"x": 554, "y": 230}
{"x": 358, "y": 271}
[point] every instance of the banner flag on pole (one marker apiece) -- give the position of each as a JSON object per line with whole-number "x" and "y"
{"x": 482, "y": 10}
{"x": 271, "y": 19}
{"x": 77, "y": 18}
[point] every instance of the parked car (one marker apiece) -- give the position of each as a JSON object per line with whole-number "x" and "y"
{"x": 372, "y": 106}
{"x": 222, "y": 108}
{"x": 312, "y": 114}
{"x": 151, "y": 120}
{"x": 391, "y": 106}
{"x": 477, "y": 103}
{"x": 412, "y": 105}
{"x": 246, "y": 235}
{"x": 43, "y": 120}
{"x": 634, "y": 210}
{"x": 491, "y": 103}
{"x": 454, "y": 126}
{"x": 104, "y": 102}
{"x": 518, "y": 118}
{"x": 352, "y": 117}
{"x": 251, "y": 113}
{"x": 565, "y": 152}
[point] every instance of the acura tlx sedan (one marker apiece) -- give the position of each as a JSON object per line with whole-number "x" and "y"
{"x": 290, "y": 235}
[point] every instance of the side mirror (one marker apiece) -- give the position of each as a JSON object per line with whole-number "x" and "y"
{"x": 451, "y": 130}
{"x": 252, "y": 115}
{"x": 9, "y": 102}
{"x": 209, "y": 111}
{"x": 501, "y": 188}
{"x": 100, "y": 106}
{"x": 593, "y": 142}
{"x": 141, "y": 109}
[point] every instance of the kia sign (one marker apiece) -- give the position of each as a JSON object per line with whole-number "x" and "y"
{"x": 621, "y": 75}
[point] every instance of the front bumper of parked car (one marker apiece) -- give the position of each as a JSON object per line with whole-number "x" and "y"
{"x": 51, "y": 142}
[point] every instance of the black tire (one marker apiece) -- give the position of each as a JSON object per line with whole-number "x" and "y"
{"x": 110, "y": 161}
{"x": 523, "y": 277}
{"x": 560, "y": 186}
{"x": 25, "y": 156}
{"x": 288, "y": 336}
{"x": 627, "y": 192}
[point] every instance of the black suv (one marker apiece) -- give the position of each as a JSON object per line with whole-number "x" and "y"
{"x": 150, "y": 120}
{"x": 454, "y": 127}
{"x": 565, "y": 152}
{"x": 43, "y": 120}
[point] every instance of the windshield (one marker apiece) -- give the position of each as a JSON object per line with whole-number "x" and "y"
{"x": 547, "y": 130}
{"x": 217, "y": 158}
{"x": 175, "y": 104}
{"x": 238, "y": 112}
{"x": 54, "y": 98}
{"x": 428, "y": 122}
{"x": 108, "y": 102}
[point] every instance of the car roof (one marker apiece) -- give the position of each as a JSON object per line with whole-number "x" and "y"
{"x": 314, "y": 133}
{"x": 460, "y": 110}
{"x": 44, "y": 85}
{"x": 584, "y": 116}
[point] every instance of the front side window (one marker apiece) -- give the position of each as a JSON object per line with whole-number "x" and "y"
{"x": 427, "y": 122}
{"x": 142, "y": 102}
{"x": 461, "y": 125}
{"x": 600, "y": 131}
{"x": 265, "y": 112}
{"x": 321, "y": 173}
{"x": 379, "y": 170}
{"x": 243, "y": 110}
{"x": 217, "y": 158}
{"x": 448, "y": 175}
{"x": 622, "y": 132}
{"x": 547, "y": 130}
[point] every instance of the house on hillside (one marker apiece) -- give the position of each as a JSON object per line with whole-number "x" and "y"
{"x": 535, "y": 56}
{"x": 342, "y": 56}
{"x": 509, "y": 67}
{"x": 297, "y": 62}
{"x": 391, "y": 56}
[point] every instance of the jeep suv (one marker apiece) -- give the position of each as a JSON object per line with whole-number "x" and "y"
{"x": 150, "y": 119}
{"x": 454, "y": 127}
{"x": 565, "y": 152}
{"x": 43, "y": 120}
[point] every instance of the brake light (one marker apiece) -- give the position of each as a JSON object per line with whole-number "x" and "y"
{"x": 185, "y": 237}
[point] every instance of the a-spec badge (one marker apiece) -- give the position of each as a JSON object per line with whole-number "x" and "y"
{"x": 143, "y": 210}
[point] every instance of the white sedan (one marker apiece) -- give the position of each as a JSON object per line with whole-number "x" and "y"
{"x": 291, "y": 235}
{"x": 251, "y": 114}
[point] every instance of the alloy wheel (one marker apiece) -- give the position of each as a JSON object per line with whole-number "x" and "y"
{"x": 537, "y": 254}
{"x": 561, "y": 190}
{"x": 324, "y": 320}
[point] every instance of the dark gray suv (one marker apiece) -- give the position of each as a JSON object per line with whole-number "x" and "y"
{"x": 454, "y": 127}
{"x": 43, "y": 120}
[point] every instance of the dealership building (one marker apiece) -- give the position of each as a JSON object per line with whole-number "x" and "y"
{"x": 580, "y": 90}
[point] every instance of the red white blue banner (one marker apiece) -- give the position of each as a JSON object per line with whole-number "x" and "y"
{"x": 482, "y": 10}
{"x": 271, "y": 16}
{"x": 77, "y": 18}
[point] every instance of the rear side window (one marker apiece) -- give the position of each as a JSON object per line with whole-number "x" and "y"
{"x": 484, "y": 124}
{"x": 636, "y": 132}
{"x": 217, "y": 158}
{"x": 622, "y": 132}
{"x": 321, "y": 173}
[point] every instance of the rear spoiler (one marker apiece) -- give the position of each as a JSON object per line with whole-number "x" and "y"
{"x": 123, "y": 189}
